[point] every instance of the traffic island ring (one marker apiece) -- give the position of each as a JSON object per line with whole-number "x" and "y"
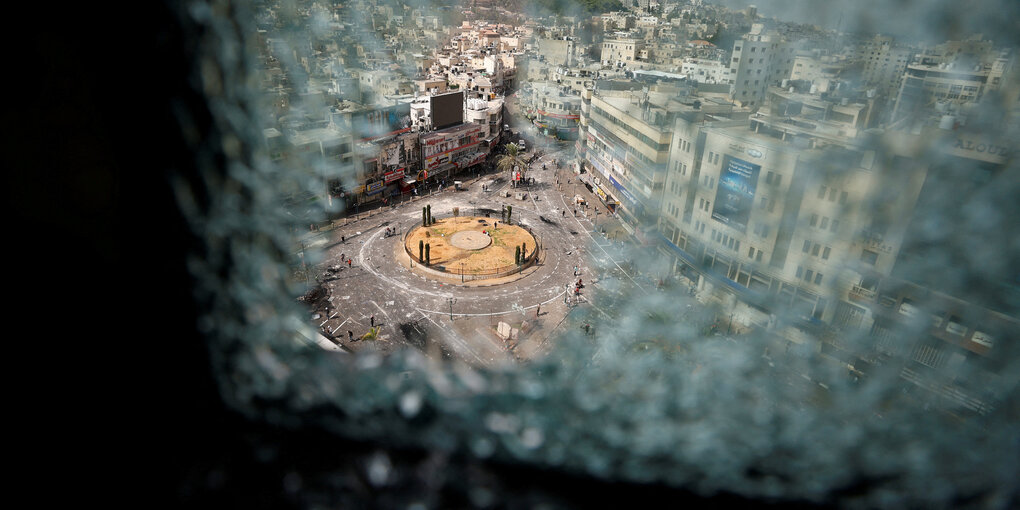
{"x": 470, "y": 248}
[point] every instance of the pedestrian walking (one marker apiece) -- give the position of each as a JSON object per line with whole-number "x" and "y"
{"x": 372, "y": 320}
{"x": 538, "y": 311}
{"x": 349, "y": 263}
{"x": 564, "y": 213}
{"x": 350, "y": 335}
{"x": 343, "y": 239}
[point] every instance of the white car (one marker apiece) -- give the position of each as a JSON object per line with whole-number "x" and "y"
{"x": 520, "y": 143}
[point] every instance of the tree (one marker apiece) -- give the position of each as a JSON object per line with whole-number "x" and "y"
{"x": 431, "y": 220}
{"x": 421, "y": 250}
{"x": 509, "y": 209}
{"x": 524, "y": 251}
{"x": 513, "y": 158}
{"x": 517, "y": 256}
{"x": 428, "y": 259}
{"x": 424, "y": 217}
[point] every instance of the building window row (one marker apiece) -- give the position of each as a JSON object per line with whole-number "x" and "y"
{"x": 809, "y": 275}
{"x": 726, "y": 240}
{"x": 658, "y": 147}
{"x": 824, "y": 224}
{"x": 704, "y": 205}
{"x": 832, "y": 194}
{"x": 815, "y": 249}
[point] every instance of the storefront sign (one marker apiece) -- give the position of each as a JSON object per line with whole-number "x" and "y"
{"x": 373, "y": 187}
{"x": 394, "y": 175}
{"x": 623, "y": 190}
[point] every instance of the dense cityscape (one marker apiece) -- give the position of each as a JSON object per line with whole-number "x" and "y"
{"x": 583, "y": 187}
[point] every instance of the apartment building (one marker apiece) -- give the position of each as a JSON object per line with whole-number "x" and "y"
{"x": 620, "y": 51}
{"x": 626, "y": 147}
{"x": 759, "y": 59}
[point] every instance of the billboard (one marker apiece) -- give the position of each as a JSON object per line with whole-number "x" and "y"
{"x": 375, "y": 123}
{"x": 447, "y": 109}
{"x": 735, "y": 194}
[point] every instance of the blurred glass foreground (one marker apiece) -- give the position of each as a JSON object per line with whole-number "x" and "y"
{"x": 853, "y": 317}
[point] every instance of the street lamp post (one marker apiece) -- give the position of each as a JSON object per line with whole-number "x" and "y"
{"x": 461, "y": 272}
{"x": 452, "y": 301}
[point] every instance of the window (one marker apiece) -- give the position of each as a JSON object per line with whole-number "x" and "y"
{"x": 808, "y": 275}
{"x": 807, "y": 246}
{"x": 869, "y": 257}
{"x": 815, "y": 249}
{"x": 821, "y": 192}
{"x": 825, "y": 222}
{"x": 832, "y": 195}
{"x": 814, "y": 219}
{"x": 750, "y": 252}
{"x": 818, "y": 278}
{"x": 800, "y": 271}
{"x": 757, "y": 258}
{"x": 834, "y": 226}
{"x": 825, "y": 253}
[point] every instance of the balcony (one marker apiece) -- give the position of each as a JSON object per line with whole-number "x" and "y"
{"x": 860, "y": 294}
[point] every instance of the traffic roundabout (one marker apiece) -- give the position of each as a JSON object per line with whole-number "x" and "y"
{"x": 471, "y": 248}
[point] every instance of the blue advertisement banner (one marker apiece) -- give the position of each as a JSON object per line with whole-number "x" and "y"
{"x": 735, "y": 194}
{"x": 638, "y": 207}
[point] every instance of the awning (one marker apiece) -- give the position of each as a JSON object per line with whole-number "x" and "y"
{"x": 408, "y": 182}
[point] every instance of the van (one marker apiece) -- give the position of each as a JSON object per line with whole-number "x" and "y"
{"x": 520, "y": 143}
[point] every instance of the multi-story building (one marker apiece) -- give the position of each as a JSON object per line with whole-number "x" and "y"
{"x": 925, "y": 85}
{"x": 759, "y": 60}
{"x": 821, "y": 72}
{"x": 561, "y": 51}
{"x": 789, "y": 213}
{"x": 626, "y": 147}
{"x": 883, "y": 63}
{"x": 706, "y": 71}
{"x": 554, "y": 108}
{"x": 620, "y": 51}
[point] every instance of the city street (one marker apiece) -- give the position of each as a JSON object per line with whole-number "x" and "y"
{"x": 461, "y": 319}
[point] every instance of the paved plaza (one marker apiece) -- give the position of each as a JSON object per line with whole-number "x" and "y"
{"x": 409, "y": 305}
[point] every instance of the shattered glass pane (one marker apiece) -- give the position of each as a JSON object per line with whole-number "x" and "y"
{"x": 743, "y": 254}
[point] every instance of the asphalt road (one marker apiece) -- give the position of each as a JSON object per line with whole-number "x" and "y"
{"x": 403, "y": 301}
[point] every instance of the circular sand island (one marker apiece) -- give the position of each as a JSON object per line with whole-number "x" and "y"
{"x": 474, "y": 246}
